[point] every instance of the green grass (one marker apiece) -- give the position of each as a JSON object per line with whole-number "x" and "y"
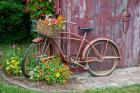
{"x": 126, "y": 89}
{"x": 7, "y": 88}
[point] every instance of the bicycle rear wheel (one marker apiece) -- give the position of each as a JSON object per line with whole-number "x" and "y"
{"x": 109, "y": 57}
{"x": 33, "y": 55}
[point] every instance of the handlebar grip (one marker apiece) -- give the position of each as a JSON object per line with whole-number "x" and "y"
{"x": 69, "y": 22}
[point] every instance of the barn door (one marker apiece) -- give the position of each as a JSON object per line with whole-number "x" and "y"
{"x": 105, "y": 16}
{"x": 94, "y": 13}
{"x": 108, "y": 20}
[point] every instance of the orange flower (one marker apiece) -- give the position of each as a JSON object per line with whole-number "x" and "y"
{"x": 39, "y": 67}
{"x": 59, "y": 19}
{"x": 46, "y": 21}
{"x": 47, "y": 79}
{"x": 47, "y": 66}
{"x": 65, "y": 66}
{"x": 60, "y": 69}
{"x": 55, "y": 69}
{"x": 40, "y": 73}
{"x": 43, "y": 60}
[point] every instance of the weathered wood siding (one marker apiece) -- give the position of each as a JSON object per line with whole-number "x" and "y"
{"x": 101, "y": 10}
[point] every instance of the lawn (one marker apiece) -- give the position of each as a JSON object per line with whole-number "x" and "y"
{"x": 8, "y": 88}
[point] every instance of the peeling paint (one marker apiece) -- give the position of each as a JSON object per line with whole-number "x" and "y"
{"x": 82, "y": 9}
{"x": 122, "y": 6}
{"x": 136, "y": 44}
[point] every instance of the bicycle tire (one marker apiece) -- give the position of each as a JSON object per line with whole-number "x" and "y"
{"x": 24, "y": 66}
{"x": 95, "y": 68}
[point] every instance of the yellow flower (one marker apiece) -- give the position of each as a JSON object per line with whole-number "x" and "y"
{"x": 14, "y": 64}
{"x": 59, "y": 19}
{"x": 14, "y": 58}
{"x": 13, "y": 61}
{"x": 7, "y": 62}
{"x": 18, "y": 48}
{"x": 7, "y": 68}
{"x": 57, "y": 74}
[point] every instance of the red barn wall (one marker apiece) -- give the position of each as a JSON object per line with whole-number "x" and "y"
{"x": 101, "y": 11}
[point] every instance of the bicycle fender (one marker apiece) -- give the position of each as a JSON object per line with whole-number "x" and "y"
{"x": 95, "y": 40}
{"x": 38, "y": 39}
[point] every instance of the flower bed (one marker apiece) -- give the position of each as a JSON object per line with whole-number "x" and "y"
{"x": 51, "y": 71}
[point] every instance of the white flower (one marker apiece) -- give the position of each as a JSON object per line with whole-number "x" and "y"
{"x": 31, "y": 73}
{"x": 35, "y": 69}
{"x": 47, "y": 16}
{"x": 50, "y": 1}
{"x": 49, "y": 24}
{"x": 31, "y": 77}
{"x": 49, "y": 19}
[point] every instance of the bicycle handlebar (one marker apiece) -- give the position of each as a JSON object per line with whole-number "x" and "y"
{"x": 69, "y": 22}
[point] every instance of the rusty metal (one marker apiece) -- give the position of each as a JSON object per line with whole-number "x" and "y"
{"x": 97, "y": 39}
{"x": 85, "y": 34}
{"x": 125, "y": 18}
{"x": 38, "y": 39}
{"x": 126, "y": 21}
{"x": 82, "y": 40}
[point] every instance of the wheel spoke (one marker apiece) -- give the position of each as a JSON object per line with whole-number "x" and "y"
{"x": 110, "y": 57}
{"x": 105, "y": 49}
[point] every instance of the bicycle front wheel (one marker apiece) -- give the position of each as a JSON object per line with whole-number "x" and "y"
{"x": 33, "y": 55}
{"x": 109, "y": 57}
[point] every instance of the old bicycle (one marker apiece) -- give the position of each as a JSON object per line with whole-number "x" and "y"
{"x": 99, "y": 56}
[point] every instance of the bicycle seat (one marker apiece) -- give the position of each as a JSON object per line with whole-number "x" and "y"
{"x": 88, "y": 29}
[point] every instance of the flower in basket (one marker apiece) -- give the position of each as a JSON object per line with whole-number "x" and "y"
{"x": 55, "y": 23}
{"x": 50, "y": 25}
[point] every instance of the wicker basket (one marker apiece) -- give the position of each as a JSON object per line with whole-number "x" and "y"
{"x": 46, "y": 30}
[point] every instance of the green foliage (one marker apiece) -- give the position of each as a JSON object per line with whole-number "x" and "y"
{"x": 12, "y": 26}
{"x": 52, "y": 71}
{"x": 39, "y": 7}
{"x": 11, "y": 12}
{"x": 11, "y": 61}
